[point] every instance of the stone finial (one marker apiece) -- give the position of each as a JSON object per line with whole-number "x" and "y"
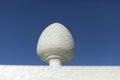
{"x": 55, "y": 45}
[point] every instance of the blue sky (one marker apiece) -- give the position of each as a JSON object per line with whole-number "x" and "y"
{"x": 95, "y": 26}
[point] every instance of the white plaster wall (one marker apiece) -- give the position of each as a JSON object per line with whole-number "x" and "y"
{"x": 14, "y": 72}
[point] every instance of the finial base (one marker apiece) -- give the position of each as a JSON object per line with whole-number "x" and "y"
{"x": 54, "y": 62}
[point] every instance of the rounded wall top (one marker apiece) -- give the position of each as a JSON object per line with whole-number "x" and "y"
{"x": 55, "y": 42}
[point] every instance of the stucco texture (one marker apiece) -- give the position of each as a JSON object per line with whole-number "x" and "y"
{"x": 21, "y": 72}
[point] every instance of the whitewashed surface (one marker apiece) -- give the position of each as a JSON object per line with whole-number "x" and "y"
{"x": 14, "y": 72}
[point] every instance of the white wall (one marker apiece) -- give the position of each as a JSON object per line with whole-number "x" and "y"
{"x": 11, "y": 72}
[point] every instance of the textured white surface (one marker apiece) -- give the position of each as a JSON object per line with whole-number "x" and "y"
{"x": 55, "y": 42}
{"x": 59, "y": 73}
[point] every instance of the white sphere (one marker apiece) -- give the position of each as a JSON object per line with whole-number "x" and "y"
{"x": 55, "y": 42}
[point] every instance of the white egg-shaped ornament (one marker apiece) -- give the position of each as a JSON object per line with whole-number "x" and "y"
{"x": 55, "y": 45}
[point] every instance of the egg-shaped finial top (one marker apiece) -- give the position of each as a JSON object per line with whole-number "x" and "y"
{"x": 55, "y": 42}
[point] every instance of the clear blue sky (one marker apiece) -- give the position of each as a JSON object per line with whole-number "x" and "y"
{"x": 95, "y": 26}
